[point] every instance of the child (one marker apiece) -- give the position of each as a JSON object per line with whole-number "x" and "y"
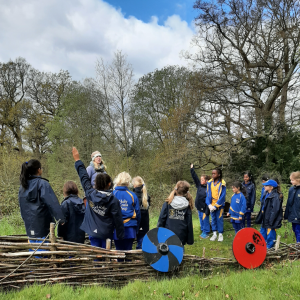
{"x": 73, "y": 209}
{"x": 215, "y": 199}
{"x": 292, "y": 211}
{"x": 270, "y": 215}
{"x": 264, "y": 179}
{"x": 176, "y": 213}
{"x": 237, "y": 206}
{"x": 103, "y": 213}
{"x": 38, "y": 203}
{"x": 130, "y": 208}
{"x": 200, "y": 204}
{"x": 139, "y": 188}
{"x": 249, "y": 184}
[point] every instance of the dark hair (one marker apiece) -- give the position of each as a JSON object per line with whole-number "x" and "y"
{"x": 219, "y": 172}
{"x": 242, "y": 188}
{"x": 265, "y": 177}
{"x": 206, "y": 177}
{"x": 70, "y": 188}
{"x": 28, "y": 169}
{"x": 101, "y": 182}
{"x": 250, "y": 175}
{"x": 278, "y": 187}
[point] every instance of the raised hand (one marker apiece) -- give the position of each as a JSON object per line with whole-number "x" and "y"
{"x": 192, "y": 166}
{"x": 75, "y": 154}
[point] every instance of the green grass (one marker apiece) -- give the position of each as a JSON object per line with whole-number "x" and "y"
{"x": 280, "y": 281}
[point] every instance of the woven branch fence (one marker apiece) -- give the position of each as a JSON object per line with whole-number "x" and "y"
{"x": 80, "y": 264}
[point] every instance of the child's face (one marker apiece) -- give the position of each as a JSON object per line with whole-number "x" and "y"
{"x": 202, "y": 180}
{"x": 268, "y": 188}
{"x": 235, "y": 189}
{"x": 294, "y": 181}
{"x": 214, "y": 174}
{"x": 246, "y": 178}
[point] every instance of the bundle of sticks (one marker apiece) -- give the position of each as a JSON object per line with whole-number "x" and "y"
{"x": 80, "y": 264}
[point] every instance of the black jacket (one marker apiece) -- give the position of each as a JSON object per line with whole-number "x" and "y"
{"x": 73, "y": 209}
{"x": 103, "y": 212}
{"x": 201, "y": 194}
{"x": 270, "y": 215}
{"x": 144, "y": 224}
{"x": 179, "y": 221}
{"x": 251, "y": 196}
{"x": 39, "y": 206}
{"x": 292, "y": 210}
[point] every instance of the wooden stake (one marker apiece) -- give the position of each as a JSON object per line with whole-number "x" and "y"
{"x": 203, "y": 253}
{"x": 277, "y": 242}
{"x": 108, "y": 246}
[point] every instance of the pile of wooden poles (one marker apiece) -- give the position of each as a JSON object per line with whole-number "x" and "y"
{"x": 80, "y": 264}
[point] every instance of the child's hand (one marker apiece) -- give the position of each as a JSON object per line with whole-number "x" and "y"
{"x": 192, "y": 166}
{"x": 228, "y": 214}
{"x": 240, "y": 218}
{"x": 75, "y": 154}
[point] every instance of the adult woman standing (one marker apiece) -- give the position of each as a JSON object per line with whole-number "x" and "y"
{"x": 96, "y": 166}
{"x": 38, "y": 203}
{"x": 130, "y": 207}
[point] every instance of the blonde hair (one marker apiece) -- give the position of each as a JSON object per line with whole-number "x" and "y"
{"x": 181, "y": 189}
{"x": 138, "y": 181}
{"x": 296, "y": 176}
{"x": 123, "y": 179}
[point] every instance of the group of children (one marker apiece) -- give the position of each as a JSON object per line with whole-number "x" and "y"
{"x": 123, "y": 215}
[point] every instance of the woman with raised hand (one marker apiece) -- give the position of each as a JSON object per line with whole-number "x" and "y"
{"x": 38, "y": 203}
{"x": 96, "y": 166}
{"x": 103, "y": 213}
{"x": 130, "y": 207}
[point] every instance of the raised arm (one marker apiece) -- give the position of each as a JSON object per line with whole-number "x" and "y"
{"x": 82, "y": 173}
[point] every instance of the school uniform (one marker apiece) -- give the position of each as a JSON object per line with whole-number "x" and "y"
{"x": 215, "y": 195}
{"x": 292, "y": 210}
{"x": 201, "y": 206}
{"x": 102, "y": 214}
{"x": 131, "y": 215}
{"x": 251, "y": 196}
{"x": 270, "y": 216}
{"x": 237, "y": 210}
{"x": 262, "y": 194}
{"x": 39, "y": 206}
{"x": 144, "y": 224}
{"x": 73, "y": 209}
{"x": 177, "y": 217}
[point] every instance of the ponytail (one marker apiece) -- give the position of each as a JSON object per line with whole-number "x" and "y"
{"x": 181, "y": 189}
{"x": 28, "y": 169}
{"x": 139, "y": 182}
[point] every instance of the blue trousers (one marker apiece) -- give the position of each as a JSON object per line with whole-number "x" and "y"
{"x": 97, "y": 242}
{"x": 139, "y": 241}
{"x": 217, "y": 223}
{"x": 269, "y": 236}
{"x": 237, "y": 227}
{"x": 296, "y": 229}
{"x": 247, "y": 217}
{"x": 204, "y": 222}
{"x": 38, "y": 242}
{"x": 125, "y": 244}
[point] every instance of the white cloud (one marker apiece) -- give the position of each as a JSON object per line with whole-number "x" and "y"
{"x": 72, "y": 34}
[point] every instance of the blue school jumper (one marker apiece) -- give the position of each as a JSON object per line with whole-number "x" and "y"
{"x": 131, "y": 214}
{"x": 251, "y": 196}
{"x": 237, "y": 210}
{"x": 217, "y": 223}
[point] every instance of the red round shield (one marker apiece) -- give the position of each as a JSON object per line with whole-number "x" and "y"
{"x": 249, "y": 248}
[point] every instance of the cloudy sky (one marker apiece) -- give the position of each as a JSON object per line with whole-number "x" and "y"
{"x": 71, "y": 34}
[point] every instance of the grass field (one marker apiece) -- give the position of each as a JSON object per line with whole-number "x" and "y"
{"x": 275, "y": 282}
